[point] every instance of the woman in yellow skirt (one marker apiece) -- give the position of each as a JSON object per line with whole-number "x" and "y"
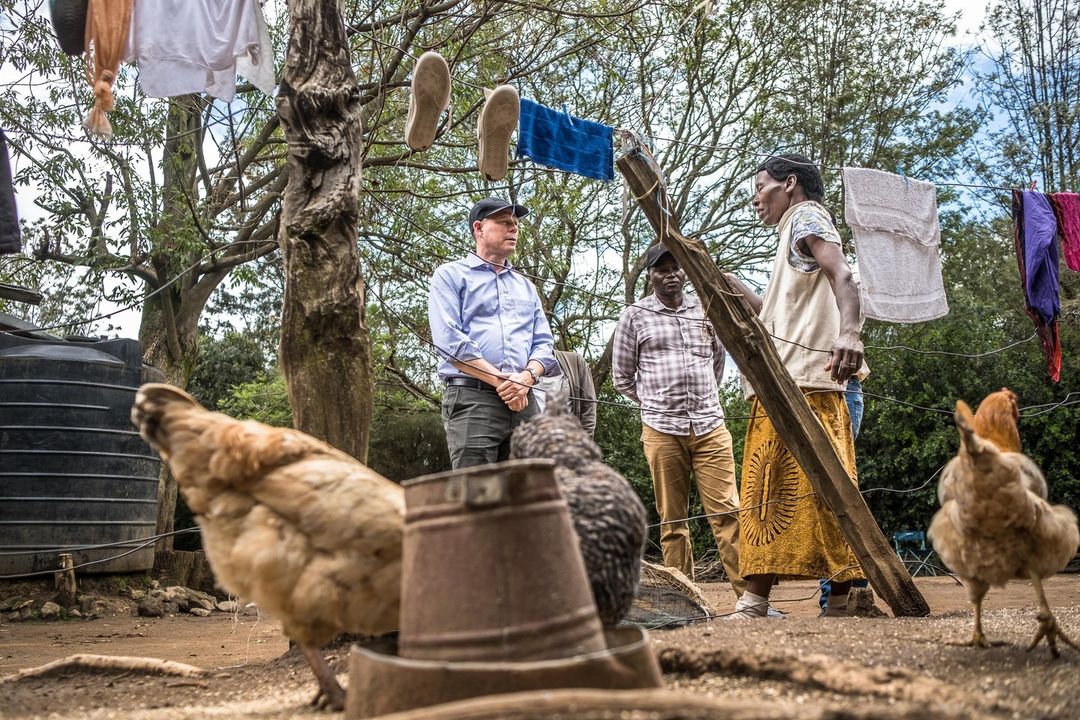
{"x": 811, "y": 304}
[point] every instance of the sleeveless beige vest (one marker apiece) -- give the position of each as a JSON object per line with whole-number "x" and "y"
{"x": 800, "y": 306}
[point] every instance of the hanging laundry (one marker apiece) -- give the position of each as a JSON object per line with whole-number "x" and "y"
{"x": 1035, "y": 236}
{"x": 557, "y": 139}
{"x": 1067, "y": 210}
{"x": 191, "y": 46}
{"x": 10, "y": 236}
{"x": 894, "y": 221}
{"x": 108, "y": 23}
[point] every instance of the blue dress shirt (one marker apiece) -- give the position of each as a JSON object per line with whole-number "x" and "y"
{"x": 476, "y": 313}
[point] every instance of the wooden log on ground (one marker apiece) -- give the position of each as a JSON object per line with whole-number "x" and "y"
{"x": 749, "y": 343}
{"x": 100, "y": 663}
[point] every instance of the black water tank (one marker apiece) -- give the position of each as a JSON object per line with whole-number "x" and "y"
{"x": 73, "y": 470}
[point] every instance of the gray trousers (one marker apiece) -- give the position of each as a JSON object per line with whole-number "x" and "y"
{"x": 478, "y": 425}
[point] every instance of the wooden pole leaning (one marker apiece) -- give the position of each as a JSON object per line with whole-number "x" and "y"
{"x": 746, "y": 339}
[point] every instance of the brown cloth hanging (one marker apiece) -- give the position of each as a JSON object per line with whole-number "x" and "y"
{"x": 108, "y": 23}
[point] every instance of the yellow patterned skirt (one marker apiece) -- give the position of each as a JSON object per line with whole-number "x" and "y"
{"x": 783, "y": 528}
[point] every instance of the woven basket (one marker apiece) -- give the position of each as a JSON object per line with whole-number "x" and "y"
{"x": 69, "y": 23}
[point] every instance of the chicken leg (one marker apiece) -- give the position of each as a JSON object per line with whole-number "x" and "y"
{"x": 331, "y": 696}
{"x": 976, "y": 593}
{"x": 1048, "y": 626}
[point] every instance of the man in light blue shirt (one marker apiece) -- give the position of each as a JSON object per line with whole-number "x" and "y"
{"x": 489, "y": 327}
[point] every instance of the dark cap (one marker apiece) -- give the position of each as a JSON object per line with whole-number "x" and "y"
{"x": 655, "y": 254}
{"x": 489, "y": 206}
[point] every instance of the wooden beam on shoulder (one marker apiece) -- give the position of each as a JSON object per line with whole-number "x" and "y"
{"x": 746, "y": 339}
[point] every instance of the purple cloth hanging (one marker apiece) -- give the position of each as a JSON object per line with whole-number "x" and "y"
{"x": 1035, "y": 236}
{"x": 1041, "y": 255}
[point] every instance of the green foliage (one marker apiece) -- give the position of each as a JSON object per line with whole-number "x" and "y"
{"x": 223, "y": 363}
{"x": 407, "y": 438}
{"x": 265, "y": 400}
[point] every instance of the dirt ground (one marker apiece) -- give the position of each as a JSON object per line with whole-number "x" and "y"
{"x": 858, "y": 667}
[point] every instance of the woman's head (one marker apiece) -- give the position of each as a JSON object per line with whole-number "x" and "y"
{"x": 783, "y": 181}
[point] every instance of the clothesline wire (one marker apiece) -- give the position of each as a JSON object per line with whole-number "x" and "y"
{"x": 614, "y": 301}
{"x": 439, "y": 352}
{"x": 97, "y": 546}
{"x": 862, "y": 491}
{"x": 176, "y": 278}
{"x": 745, "y": 151}
{"x": 96, "y": 140}
{"x": 40, "y": 573}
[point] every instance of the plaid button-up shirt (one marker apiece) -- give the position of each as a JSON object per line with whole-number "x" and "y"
{"x": 670, "y": 362}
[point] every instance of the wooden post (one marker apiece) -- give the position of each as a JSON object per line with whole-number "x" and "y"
{"x": 748, "y": 342}
{"x": 65, "y": 580}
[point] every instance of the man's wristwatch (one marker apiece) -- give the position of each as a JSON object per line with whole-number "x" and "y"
{"x": 535, "y": 377}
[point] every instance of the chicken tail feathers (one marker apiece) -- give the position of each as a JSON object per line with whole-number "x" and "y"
{"x": 970, "y": 441}
{"x": 152, "y": 402}
{"x": 965, "y": 420}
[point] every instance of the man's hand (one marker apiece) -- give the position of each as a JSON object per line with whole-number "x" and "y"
{"x": 846, "y": 358}
{"x": 519, "y": 404}
{"x": 515, "y": 388}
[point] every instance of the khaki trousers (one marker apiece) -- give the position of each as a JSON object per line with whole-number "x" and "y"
{"x": 672, "y": 459}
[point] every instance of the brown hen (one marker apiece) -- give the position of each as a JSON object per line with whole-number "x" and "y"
{"x": 304, "y": 530}
{"x": 995, "y": 524}
{"x": 995, "y": 420}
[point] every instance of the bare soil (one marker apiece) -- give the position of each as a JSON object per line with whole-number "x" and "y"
{"x": 858, "y": 667}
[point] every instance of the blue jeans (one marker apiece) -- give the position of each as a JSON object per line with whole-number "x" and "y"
{"x": 854, "y": 398}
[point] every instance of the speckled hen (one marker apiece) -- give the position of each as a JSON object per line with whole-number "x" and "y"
{"x": 607, "y": 514}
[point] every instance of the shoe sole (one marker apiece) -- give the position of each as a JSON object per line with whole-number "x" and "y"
{"x": 496, "y": 125}
{"x": 429, "y": 96}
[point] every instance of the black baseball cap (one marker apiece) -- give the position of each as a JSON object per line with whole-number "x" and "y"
{"x": 489, "y": 206}
{"x": 655, "y": 254}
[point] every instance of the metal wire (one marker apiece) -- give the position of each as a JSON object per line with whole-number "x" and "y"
{"x": 75, "y": 548}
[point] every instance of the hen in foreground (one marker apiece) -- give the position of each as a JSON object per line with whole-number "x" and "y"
{"x": 995, "y": 524}
{"x": 304, "y": 530}
{"x": 607, "y": 514}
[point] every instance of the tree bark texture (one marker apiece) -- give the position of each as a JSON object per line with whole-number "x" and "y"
{"x": 325, "y": 344}
{"x": 169, "y": 338}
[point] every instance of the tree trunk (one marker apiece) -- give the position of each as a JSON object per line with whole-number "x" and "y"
{"x": 325, "y": 345}
{"x": 168, "y": 345}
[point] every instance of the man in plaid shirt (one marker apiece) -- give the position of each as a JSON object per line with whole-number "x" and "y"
{"x": 669, "y": 361}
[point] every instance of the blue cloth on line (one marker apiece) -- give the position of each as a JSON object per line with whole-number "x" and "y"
{"x": 559, "y": 140}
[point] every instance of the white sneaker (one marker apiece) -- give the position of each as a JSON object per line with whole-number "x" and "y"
{"x": 497, "y": 122}
{"x": 749, "y": 607}
{"x": 775, "y": 614}
{"x": 430, "y": 95}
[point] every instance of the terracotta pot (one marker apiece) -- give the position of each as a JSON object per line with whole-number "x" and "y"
{"x": 492, "y": 570}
